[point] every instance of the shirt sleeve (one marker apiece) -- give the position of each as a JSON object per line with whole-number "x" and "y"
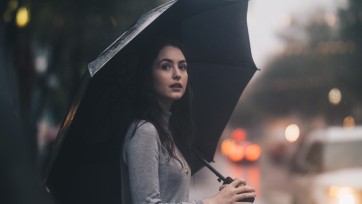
{"x": 142, "y": 158}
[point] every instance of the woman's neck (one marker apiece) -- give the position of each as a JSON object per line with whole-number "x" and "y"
{"x": 165, "y": 105}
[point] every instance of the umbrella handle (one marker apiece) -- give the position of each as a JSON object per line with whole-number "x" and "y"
{"x": 226, "y": 180}
{"x": 229, "y": 180}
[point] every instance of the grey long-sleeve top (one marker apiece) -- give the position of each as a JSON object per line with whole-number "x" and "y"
{"x": 154, "y": 177}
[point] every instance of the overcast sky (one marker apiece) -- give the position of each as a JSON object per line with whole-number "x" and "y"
{"x": 265, "y": 17}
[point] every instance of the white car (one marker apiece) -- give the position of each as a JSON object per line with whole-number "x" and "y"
{"x": 327, "y": 169}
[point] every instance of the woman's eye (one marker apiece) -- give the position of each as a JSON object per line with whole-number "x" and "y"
{"x": 165, "y": 66}
{"x": 183, "y": 66}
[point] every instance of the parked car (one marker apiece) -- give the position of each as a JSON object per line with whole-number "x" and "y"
{"x": 327, "y": 168}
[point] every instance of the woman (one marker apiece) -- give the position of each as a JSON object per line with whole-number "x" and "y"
{"x": 157, "y": 171}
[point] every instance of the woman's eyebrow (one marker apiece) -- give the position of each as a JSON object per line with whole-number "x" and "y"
{"x": 165, "y": 60}
{"x": 169, "y": 60}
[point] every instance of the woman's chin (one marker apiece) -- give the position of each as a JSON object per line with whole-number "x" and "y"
{"x": 176, "y": 97}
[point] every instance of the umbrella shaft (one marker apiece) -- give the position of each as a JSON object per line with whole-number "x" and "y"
{"x": 221, "y": 177}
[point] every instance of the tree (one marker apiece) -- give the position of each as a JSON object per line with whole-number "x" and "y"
{"x": 299, "y": 79}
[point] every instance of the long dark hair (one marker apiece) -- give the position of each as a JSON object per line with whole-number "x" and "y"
{"x": 140, "y": 102}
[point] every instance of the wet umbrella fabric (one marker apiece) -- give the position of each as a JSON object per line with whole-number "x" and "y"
{"x": 85, "y": 164}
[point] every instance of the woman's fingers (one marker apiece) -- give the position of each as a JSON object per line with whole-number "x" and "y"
{"x": 237, "y": 190}
{"x": 233, "y": 192}
{"x": 244, "y": 192}
{"x": 244, "y": 189}
{"x": 245, "y": 195}
{"x": 222, "y": 187}
{"x": 238, "y": 182}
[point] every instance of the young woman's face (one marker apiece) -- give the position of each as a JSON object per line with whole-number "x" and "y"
{"x": 169, "y": 74}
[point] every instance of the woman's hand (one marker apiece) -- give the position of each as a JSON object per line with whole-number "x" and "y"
{"x": 231, "y": 193}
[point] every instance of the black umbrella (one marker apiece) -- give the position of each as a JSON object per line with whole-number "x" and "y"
{"x": 86, "y": 160}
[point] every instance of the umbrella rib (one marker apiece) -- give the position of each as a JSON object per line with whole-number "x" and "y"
{"x": 126, "y": 38}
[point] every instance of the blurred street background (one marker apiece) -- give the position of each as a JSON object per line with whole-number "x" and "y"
{"x": 309, "y": 56}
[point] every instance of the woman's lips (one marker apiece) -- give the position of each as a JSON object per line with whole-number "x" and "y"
{"x": 176, "y": 85}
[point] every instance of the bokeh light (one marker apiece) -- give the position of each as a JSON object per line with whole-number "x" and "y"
{"x": 22, "y": 17}
{"x": 292, "y": 133}
{"x": 237, "y": 153}
{"x": 226, "y": 146}
{"x": 349, "y": 121}
{"x": 252, "y": 152}
{"x": 238, "y": 135}
{"x": 335, "y": 96}
{"x": 345, "y": 196}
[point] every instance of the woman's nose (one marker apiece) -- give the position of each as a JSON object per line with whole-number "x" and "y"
{"x": 176, "y": 74}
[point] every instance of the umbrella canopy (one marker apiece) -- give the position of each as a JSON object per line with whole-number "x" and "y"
{"x": 221, "y": 65}
{"x": 215, "y": 35}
